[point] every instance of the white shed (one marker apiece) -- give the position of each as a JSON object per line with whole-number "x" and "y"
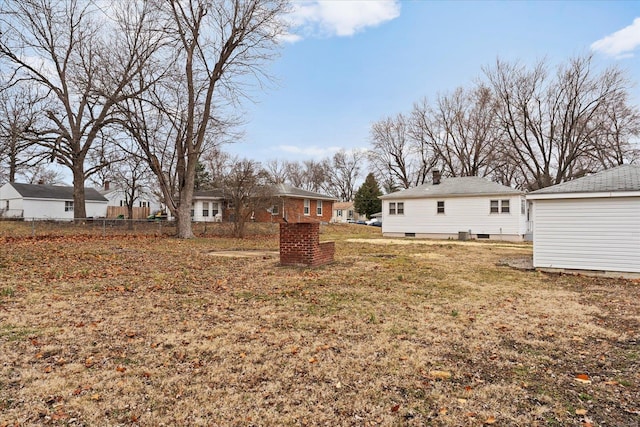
{"x": 37, "y": 201}
{"x": 465, "y": 207}
{"x": 591, "y": 223}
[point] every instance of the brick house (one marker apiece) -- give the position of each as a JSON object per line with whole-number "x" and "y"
{"x": 297, "y": 205}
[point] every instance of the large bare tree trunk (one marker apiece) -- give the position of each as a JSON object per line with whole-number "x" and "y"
{"x": 79, "y": 206}
{"x": 183, "y": 219}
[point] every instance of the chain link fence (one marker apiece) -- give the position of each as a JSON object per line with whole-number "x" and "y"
{"x": 114, "y": 227}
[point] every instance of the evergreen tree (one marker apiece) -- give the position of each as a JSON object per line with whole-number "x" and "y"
{"x": 366, "y": 199}
{"x": 202, "y": 179}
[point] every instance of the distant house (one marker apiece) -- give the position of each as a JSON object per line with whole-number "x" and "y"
{"x": 293, "y": 204}
{"x": 145, "y": 204}
{"x": 38, "y": 202}
{"x": 208, "y": 206}
{"x": 590, "y": 223}
{"x": 466, "y": 207}
{"x": 345, "y": 212}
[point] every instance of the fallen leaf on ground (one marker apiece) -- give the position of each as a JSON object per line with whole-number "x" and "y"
{"x": 440, "y": 375}
{"x": 581, "y": 411}
{"x": 583, "y": 378}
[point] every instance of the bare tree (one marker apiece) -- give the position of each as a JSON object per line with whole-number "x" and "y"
{"x": 84, "y": 61}
{"x": 217, "y": 46}
{"x": 342, "y": 173}
{"x": 216, "y": 163}
{"x": 42, "y": 174}
{"x": 616, "y": 142}
{"x": 246, "y": 186}
{"x": 308, "y": 175}
{"x": 460, "y": 130}
{"x": 397, "y": 156}
{"x": 277, "y": 170}
{"x": 553, "y": 122}
{"x": 18, "y": 112}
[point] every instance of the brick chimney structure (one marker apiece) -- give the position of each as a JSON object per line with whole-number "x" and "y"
{"x": 437, "y": 176}
{"x": 300, "y": 245}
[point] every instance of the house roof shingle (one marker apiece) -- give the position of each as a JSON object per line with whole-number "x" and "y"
{"x": 286, "y": 190}
{"x": 620, "y": 178}
{"x": 283, "y": 190}
{"x": 454, "y": 187}
{"x": 209, "y": 194}
{"x": 55, "y": 192}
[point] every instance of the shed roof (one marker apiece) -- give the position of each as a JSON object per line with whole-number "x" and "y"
{"x": 55, "y": 192}
{"x": 620, "y": 178}
{"x": 454, "y": 187}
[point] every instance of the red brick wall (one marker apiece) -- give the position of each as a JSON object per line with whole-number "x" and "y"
{"x": 300, "y": 245}
{"x": 294, "y": 211}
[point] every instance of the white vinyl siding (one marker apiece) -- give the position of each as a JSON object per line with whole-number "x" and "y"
{"x": 205, "y": 211}
{"x": 461, "y": 214}
{"x": 56, "y": 209}
{"x": 587, "y": 234}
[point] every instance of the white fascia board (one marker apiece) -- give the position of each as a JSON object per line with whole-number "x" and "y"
{"x": 603, "y": 194}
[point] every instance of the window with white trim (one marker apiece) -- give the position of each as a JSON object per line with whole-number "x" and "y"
{"x": 319, "y": 207}
{"x": 338, "y": 212}
{"x": 440, "y": 207}
{"x": 494, "y": 206}
{"x": 396, "y": 208}
{"x": 68, "y": 206}
{"x": 205, "y": 209}
{"x": 499, "y": 206}
{"x": 307, "y": 207}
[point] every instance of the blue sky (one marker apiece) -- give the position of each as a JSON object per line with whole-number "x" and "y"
{"x": 355, "y": 62}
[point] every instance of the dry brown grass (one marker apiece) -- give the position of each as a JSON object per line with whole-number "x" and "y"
{"x": 130, "y": 330}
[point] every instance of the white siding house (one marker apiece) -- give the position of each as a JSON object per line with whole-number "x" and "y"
{"x": 207, "y": 206}
{"x": 37, "y": 202}
{"x": 345, "y": 212}
{"x": 591, "y": 223}
{"x": 144, "y": 198}
{"x": 467, "y": 207}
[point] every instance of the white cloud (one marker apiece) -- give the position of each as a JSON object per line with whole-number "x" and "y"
{"x": 308, "y": 151}
{"x": 341, "y": 18}
{"x": 621, "y": 43}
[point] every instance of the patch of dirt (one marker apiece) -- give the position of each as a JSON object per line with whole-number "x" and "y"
{"x": 245, "y": 254}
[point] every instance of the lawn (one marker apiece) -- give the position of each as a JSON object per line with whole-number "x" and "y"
{"x": 149, "y": 330}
